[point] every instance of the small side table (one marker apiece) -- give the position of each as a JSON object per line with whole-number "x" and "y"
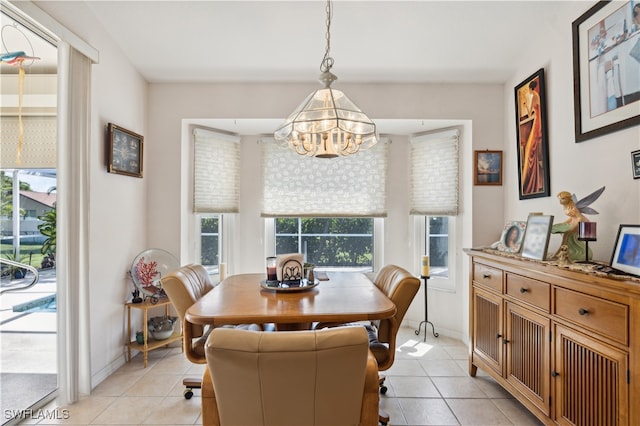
{"x": 153, "y": 344}
{"x": 426, "y": 313}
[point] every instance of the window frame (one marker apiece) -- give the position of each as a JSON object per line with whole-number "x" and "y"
{"x": 378, "y": 241}
{"x": 212, "y": 269}
{"x": 447, "y": 284}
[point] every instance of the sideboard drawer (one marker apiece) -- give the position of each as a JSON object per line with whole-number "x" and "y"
{"x": 488, "y": 276}
{"x": 608, "y": 318}
{"x": 536, "y": 293}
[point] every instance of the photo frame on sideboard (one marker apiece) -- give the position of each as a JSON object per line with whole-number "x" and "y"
{"x": 536, "y": 237}
{"x": 532, "y": 142}
{"x": 602, "y": 36}
{"x": 626, "y": 251}
{"x": 125, "y": 149}
{"x": 511, "y": 237}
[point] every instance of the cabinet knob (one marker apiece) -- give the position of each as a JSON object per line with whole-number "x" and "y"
{"x": 555, "y": 374}
{"x": 498, "y": 336}
{"x": 523, "y": 290}
{"x": 583, "y": 311}
{"x": 505, "y": 341}
{"x": 486, "y": 276}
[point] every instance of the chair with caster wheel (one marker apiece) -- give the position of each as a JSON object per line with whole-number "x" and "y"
{"x": 184, "y": 287}
{"x": 401, "y": 287}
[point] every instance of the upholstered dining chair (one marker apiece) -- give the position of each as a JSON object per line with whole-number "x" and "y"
{"x": 310, "y": 377}
{"x": 400, "y": 286}
{"x": 184, "y": 287}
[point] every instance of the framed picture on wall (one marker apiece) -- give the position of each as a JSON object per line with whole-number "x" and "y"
{"x": 532, "y": 144}
{"x": 536, "y": 236}
{"x": 487, "y": 168}
{"x": 635, "y": 164}
{"x": 124, "y": 154}
{"x": 606, "y": 76}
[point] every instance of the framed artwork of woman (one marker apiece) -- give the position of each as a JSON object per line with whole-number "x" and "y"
{"x": 532, "y": 143}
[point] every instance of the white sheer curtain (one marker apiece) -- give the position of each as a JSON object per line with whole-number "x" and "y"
{"x": 74, "y": 100}
{"x": 434, "y": 174}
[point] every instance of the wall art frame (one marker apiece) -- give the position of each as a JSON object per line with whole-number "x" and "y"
{"x": 606, "y": 54}
{"x": 536, "y": 236}
{"x": 635, "y": 164}
{"x": 532, "y": 141}
{"x": 125, "y": 151}
{"x": 487, "y": 168}
{"x": 626, "y": 251}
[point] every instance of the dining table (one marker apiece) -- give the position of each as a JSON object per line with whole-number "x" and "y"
{"x": 245, "y": 299}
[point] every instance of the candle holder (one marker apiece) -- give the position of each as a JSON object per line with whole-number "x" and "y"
{"x": 586, "y": 233}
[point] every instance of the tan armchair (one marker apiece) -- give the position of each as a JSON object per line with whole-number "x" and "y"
{"x": 400, "y": 286}
{"x": 185, "y": 286}
{"x": 312, "y": 377}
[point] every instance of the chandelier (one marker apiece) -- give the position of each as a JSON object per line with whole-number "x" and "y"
{"x": 327, "y": 124}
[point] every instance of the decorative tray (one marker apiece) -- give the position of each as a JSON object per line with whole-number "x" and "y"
{"x": 288, "y": 288}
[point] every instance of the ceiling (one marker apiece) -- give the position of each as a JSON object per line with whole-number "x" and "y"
{"x": 284, "y": 41}
{"x": 371, "y": 41}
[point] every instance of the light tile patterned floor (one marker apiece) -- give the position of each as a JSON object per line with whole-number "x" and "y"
{"x": 428, "y": 385}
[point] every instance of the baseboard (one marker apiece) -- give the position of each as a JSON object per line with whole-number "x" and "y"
{"x": 108, "y": 370}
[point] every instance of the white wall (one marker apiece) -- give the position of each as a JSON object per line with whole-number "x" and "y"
{"x": 579, "y": 168}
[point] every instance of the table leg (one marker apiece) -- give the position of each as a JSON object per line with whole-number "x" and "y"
{"x": 426, "y": 314}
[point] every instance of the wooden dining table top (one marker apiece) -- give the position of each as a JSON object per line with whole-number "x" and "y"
{"x": 240, "y": 299}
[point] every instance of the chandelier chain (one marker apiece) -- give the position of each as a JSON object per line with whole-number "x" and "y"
{"x": 327, "y": 61}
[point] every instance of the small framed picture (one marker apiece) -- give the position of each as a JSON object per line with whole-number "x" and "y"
{"x": 124, "y": 151}
{"x": 487, "y": 168}
{"x": 626, "y": 251}
{"x": 512, "y": 236}
{"x": 536, "y": 237}
{"x": 635, "y": 164}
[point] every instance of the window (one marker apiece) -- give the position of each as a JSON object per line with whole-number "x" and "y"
{"x": 434, "y": 202}
{"x": 216, "y": 190}
{"x": 437, "y": 240}
{"x": 328, "y": 243}
{"x": 210, "y": 241}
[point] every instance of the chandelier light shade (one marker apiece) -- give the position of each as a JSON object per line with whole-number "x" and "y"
{"x": 327, "y": 124}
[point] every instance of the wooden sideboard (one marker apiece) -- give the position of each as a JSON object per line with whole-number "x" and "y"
{"x": 565, "y": 343}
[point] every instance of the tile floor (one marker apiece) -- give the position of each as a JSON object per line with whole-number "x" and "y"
{"x": 428, "y": 385}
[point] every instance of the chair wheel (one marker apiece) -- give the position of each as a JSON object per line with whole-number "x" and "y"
{"x": 188, "y": 393}
{"x": 383, "y": 390}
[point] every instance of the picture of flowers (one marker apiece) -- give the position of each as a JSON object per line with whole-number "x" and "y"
{"x": 532, "y": 144}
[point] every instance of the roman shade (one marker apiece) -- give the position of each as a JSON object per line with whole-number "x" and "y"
{"x": 216, "y": 172}
{"x": 39, "y": 147}
{"x": 434, "y": 174}
{"x": 298, "y": 186}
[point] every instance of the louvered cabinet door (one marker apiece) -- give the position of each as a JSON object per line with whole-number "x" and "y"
{"x": 488, "y": 331}
{"x": 528, "y": 352}
{"x": 590, "y": 380}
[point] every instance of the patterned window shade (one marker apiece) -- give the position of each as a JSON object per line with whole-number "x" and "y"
{"x": 434, "y": 174}
{"x": 39, "y": 145}
{"x": 298, "y": 186}
{"x": 216, "y": 179}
